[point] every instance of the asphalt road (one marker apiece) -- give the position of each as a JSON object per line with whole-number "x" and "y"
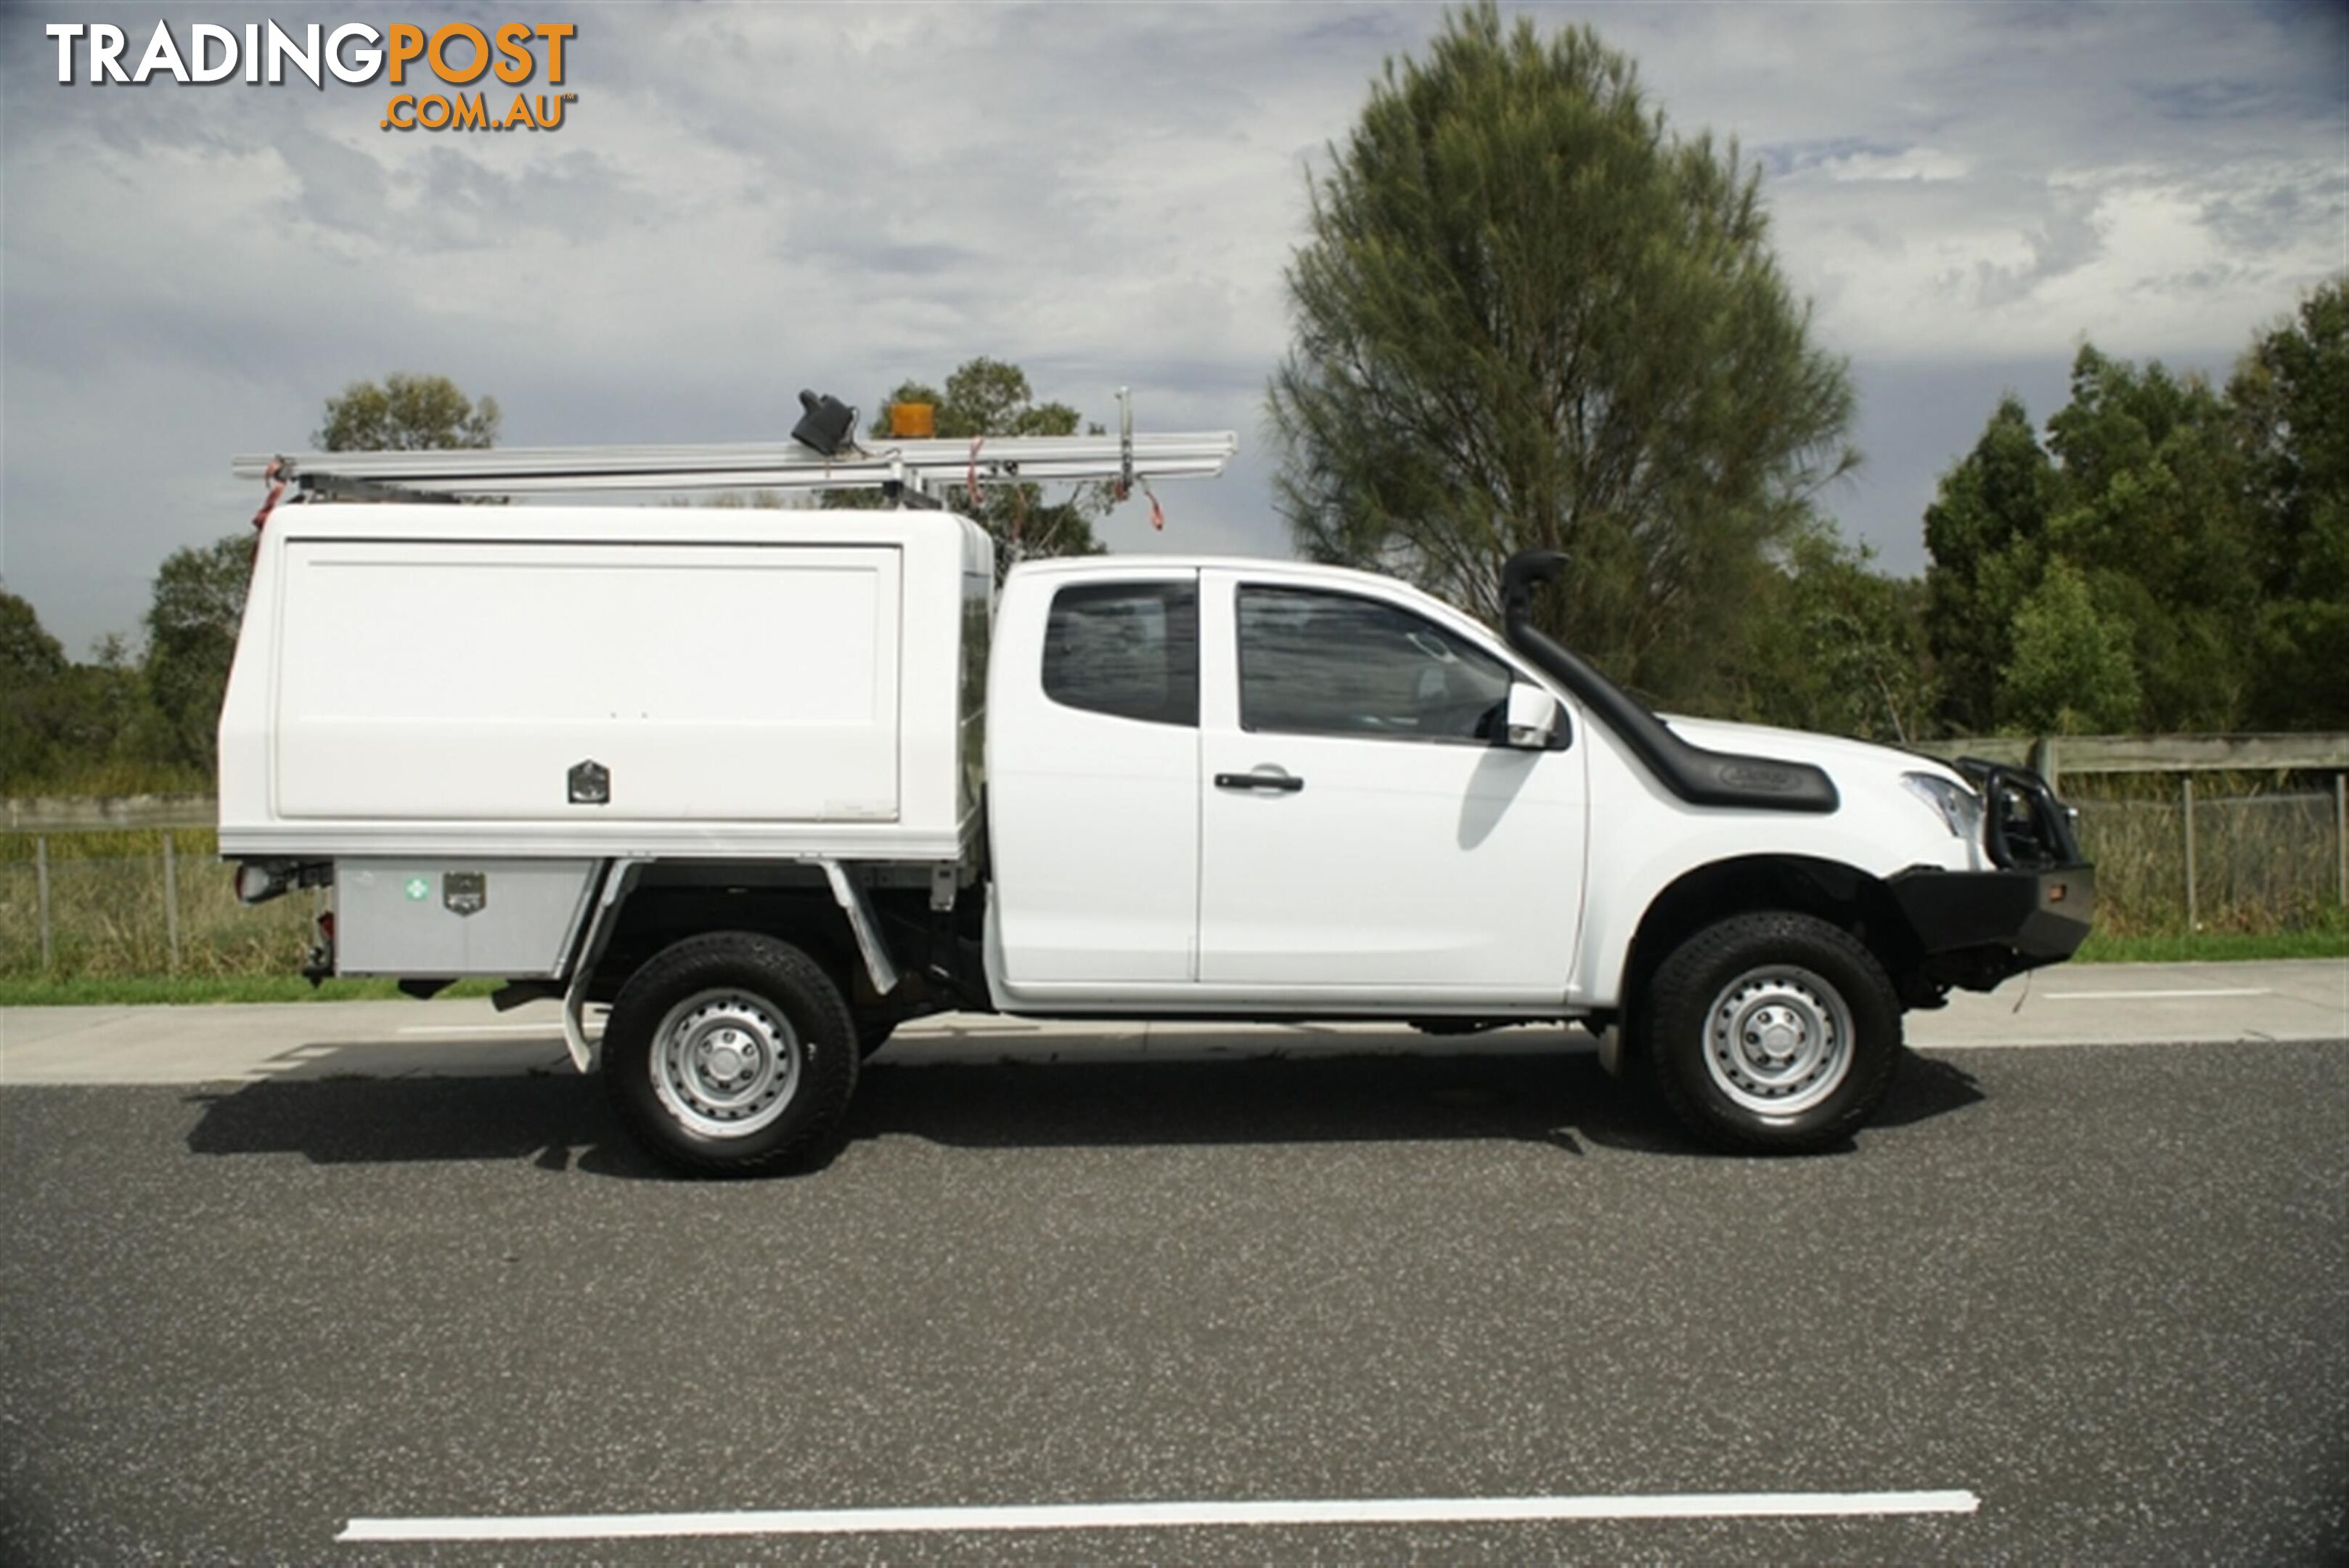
{"x": 2103, "y": 1289}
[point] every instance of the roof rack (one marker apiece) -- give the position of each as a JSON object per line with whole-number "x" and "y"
{"x": 911, "y": 467}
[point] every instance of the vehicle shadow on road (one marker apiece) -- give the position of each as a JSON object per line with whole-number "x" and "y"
{"x": 557, "y": 1122}
{"x": 1320, "y": 1099}
{"x": 553, "y": 1121}
{"x": 1924, "y": 1088}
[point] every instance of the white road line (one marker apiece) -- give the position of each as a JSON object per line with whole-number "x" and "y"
{"x": 2154, "y": 995}
{"x": 1165, "y": 1515}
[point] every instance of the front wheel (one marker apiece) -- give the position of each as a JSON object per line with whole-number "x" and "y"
{"x": 731, "y": 1053}
{"x": 1770, "y": 1033}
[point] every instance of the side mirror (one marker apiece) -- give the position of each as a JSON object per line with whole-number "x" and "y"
{"x": 1533, "y": 718}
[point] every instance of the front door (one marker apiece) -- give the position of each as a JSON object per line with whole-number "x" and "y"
{"x": 1365, "y": 837}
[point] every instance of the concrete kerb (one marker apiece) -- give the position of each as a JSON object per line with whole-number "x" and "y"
{"x": 2104, "y": 1005}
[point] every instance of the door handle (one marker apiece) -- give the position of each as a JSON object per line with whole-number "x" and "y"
{"x": 1286, "y": 783}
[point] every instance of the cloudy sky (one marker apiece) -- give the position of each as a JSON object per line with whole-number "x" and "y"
{"x": 746, "y": 200}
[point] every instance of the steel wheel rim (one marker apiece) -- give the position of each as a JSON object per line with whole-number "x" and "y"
{"x": 1777, "y": 1040}
{"x": 725, "y": 1064}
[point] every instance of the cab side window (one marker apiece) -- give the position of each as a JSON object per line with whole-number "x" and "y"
{"x": 1127, "y": 649}
{"x": 1319, "y": 663}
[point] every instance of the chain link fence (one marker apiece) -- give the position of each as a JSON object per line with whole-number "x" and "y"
{"x": 2197, "y": 861}
{"x": 65, "y": 912}
{"x": 158, "y": 902}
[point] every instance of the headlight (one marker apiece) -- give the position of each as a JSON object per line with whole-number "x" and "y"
{"x": 1960, "y": 808}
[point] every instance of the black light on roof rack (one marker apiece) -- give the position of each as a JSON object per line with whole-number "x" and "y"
{"x": 826, "y": 426}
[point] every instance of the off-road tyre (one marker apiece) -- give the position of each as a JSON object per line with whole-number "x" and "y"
{"x": 1770, "y": 1033}
{"x": 730, "y": 1054}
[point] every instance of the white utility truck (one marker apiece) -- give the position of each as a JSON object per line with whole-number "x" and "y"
{"x": 768, "y": 782}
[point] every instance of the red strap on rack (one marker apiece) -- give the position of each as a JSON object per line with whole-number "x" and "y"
{"x": 1157, "y": 512}
{"x": 274, "y": 473}
{"x": 274, "y": 477}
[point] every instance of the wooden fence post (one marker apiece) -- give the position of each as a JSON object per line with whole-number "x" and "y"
{"x": 172, "y": 900}
{"x": 2042, "y": 763}
{"x": 2186, "y": 794}
{"x": 2341, "y": 832}
{"x": 41, "y": 896}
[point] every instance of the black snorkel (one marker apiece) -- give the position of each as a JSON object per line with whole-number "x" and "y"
{"x": 1696, "y": 776}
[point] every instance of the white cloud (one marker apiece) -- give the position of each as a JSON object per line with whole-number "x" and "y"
{"x": 1923, "y": 165}
{"x": 747, "y": 200}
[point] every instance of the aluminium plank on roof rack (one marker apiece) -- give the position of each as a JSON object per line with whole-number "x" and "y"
{"x": 770, "y": 479}
{"x": 1036, "y": 457}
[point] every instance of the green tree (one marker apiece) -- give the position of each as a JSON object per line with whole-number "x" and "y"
{"x": 32, "y": 667}
{"x": 28, "y": 654}
{"x": 2140, "y": 495}
{"x": 985, "y": 397}
{"x": 407, "y": 412}
{"x": 191, "y": 627}
{"x": 1985, "y": 535}
{"x": 2070, "y": 672}
{"x": 2291, "y": 396}
{"x": 1529, "y": 315}
{"x": 1841, "y": 647}
{"x": 75, "y": 728}
{"x": 2154, "y": 516}
{"x": 112, "y": 741}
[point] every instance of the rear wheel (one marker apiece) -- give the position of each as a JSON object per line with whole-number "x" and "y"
{"x": 732, "y": 1052}
{"x": 1770, "y": 1033}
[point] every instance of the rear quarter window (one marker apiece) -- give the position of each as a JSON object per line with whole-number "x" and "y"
{"x": 1127, "y": 649}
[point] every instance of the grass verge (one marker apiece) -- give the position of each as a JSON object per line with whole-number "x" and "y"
{"x": 151, "y": 991}
{"x": 2214, "y": 947}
